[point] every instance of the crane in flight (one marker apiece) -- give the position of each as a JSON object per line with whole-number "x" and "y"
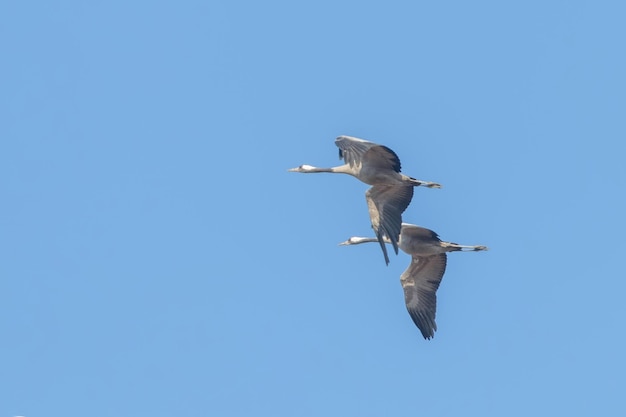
{"x": 391, "y": 191}
{"x": 421, "y": 279}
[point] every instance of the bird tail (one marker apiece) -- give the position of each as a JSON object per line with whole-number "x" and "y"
{"x": 417, "y": 183}
{"x": 453, "y": 247}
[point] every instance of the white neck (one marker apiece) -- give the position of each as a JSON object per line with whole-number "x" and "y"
{"x": 309, "y": 169}
{"x": 357, "y": 240}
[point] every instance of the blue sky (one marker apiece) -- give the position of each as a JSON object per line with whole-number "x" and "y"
{"x": 158, "y": 259}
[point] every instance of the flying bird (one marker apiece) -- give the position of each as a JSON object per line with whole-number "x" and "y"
{"x": 421, "y": 279}
{"x": 391, "y": 191}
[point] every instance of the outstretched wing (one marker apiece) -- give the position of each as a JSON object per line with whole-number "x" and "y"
{"x": 420, "y": 282}
{"x": 386, "y": 203}
{"x": 356, "y": 152}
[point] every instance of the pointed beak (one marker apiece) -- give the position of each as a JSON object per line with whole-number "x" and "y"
{"x": 346, "y": 243}
{"x": 293, "y": 169}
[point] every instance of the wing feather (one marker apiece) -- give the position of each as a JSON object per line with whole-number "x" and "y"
{"x": 420, "y": 282}
{"x": 386, "y": 203}
{"x": 357, "y": 152}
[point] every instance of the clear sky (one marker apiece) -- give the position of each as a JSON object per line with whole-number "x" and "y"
{"x": 157, "y": 259}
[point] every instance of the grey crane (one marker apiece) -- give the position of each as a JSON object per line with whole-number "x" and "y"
{"x": 391, "y": 191}
{"x": 421, "y": 279}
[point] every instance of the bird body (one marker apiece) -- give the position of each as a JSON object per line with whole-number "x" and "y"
{"x": 391, "y": 191}
{"x": 421, "y": 279}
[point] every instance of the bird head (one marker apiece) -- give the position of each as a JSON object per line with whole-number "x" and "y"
{"x": 302, "y": 168}
{"x": 352, "y": 241}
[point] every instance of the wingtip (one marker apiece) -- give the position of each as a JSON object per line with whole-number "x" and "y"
{"x": 386, "y": 258}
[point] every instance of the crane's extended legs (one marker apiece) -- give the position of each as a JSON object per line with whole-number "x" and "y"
{"x": 421, "y": 183}
{"x": 456, "y": 246}
{"x": 429, "y": 184}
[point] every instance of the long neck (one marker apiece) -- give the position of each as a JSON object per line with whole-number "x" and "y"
{"x": 342, "y": 169}
{"x": 316, "y": 169}
{"x": 357, "y": 240}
